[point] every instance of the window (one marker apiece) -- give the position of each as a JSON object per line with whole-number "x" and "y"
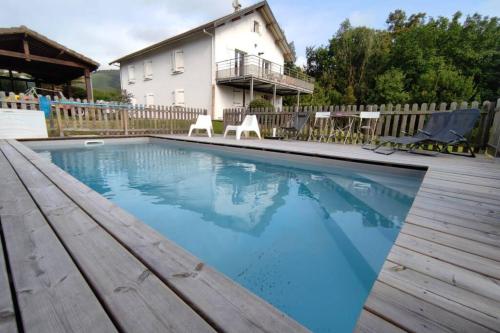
{"x": 148, "y": 70}
{"x": 256, "y": 27}
{"x": 237, "y": 97}
{"x": 149, "y": 99}
{"x": 131, "y": 74}
{"x": 177, "y": 61}
{"x": 239, "y": 62}
{"x": 266, "y": 67}
{"x": 178, "y": 99}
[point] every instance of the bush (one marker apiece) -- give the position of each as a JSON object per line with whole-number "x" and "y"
{"x": 261, "y": 103}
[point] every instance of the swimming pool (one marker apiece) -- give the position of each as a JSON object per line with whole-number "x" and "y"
{"x": 308, "y": 235}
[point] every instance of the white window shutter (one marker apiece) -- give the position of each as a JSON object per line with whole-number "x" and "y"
{"x": 148, "y": 69}
{"x": 179, "y": 97}
{"x": 131, "y": 74}
{"x": 149, "y": 99}
{"x": 178, "y": 61}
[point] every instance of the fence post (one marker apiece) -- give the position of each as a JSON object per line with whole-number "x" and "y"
{"x": 125, "y": 120}
{"x": 485, "y": 124}
{"x": 59, "y": 121}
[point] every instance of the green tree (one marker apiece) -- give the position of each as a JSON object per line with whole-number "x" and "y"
{"x": 389, "y": 87}
{"x": 417, "y": 59}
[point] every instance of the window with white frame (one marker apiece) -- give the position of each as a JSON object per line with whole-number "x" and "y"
{"x": 237, "y": 97}
{"x": 131, "y": 74}
{"x": 177, "y": 61}
{"x": 149, "y": 99}
{"x": 148, "y": 70}
{"x": 178, "y": 97}
{"x": 256, "y": 27}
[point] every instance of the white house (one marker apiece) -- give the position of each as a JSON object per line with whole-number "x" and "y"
{"x": 222, "y": 64}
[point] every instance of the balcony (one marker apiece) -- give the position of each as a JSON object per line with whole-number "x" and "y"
{"x": 251, "y": 71}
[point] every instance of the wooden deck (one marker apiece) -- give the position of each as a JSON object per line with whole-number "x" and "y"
{"x": 443, "y": 273}
{"x": 71, "y": 261}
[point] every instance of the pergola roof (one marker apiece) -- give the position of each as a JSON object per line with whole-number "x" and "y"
{"x": 25, "y": 50}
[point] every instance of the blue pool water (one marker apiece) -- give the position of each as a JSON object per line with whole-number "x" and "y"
{"x": 308, "y": 238}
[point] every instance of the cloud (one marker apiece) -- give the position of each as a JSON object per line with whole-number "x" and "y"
{"x": 358, "y": 18}
{"x": 106, "y": 30}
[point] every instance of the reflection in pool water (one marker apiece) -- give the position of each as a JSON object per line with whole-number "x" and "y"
{"x": 308, "y": 239}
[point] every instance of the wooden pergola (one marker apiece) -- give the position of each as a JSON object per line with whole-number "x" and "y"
{"x": 24, "y": 50}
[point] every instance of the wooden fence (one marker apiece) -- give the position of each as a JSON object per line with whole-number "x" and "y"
{"x": 76, "y": 117}
{"x": 394, "y": 119}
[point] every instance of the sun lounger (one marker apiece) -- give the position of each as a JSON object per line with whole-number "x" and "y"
{"x": 436, "y": 123}
{"x": 202, "y": 122}
{"x": 249, "y": 124}
{"x": 461, "y": 123}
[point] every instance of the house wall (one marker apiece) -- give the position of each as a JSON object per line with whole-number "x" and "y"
{"x": 196, "y": 80}
{"x": 238, "y": 35}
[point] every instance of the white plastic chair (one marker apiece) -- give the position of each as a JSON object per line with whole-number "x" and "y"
{"x": 202, "y": 122}
{"x": 249, "y": 124}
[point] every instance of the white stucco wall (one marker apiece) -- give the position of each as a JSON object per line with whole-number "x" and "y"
{"x": 196, "y": 80}
{"x": 239, "y": 35}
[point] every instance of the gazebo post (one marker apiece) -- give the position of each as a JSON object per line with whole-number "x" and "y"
{"x": 88, "y": 85}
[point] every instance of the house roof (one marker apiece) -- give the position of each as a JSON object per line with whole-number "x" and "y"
{"x": 49, "y": 42}
{"x": 262, "y": 7}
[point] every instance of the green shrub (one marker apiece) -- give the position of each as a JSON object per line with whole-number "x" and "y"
{"x": 261, "y": 103}
{"x": 218, "y": 126}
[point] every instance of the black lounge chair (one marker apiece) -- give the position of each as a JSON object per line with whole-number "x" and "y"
{"x": 436, "y": 123}
{"x": 296, "y": 124}
{"x": 461, "y": 123}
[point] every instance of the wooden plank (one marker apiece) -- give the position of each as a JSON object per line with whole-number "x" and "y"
{"x": 415, "y": 315}
{"x": 481, "y": 310}
{"x": 202, "y": 287}
{"x": 51, "y": 293}
{"x": 370, "y": 323}
{"x": 7, "y": 312}
{"x": 449, "y": 273}
{"x": 134, "y": 297}
{"x": 479, "y": 233}
{"x": 453, "y": 241}
{"x": 493, "y": 209}
{"x": 453, "y": 256}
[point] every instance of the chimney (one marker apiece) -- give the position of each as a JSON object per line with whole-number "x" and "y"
{"x": 236, "y": 5}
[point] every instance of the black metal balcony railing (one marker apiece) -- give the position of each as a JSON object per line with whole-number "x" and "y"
{"x": 251, "y": 65}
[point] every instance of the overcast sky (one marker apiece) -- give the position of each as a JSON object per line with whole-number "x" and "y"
{"x": 107, "y": 29}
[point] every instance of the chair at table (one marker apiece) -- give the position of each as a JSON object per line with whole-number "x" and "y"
{"x": 321, "y": 122}
{"x": 367, "y": 123}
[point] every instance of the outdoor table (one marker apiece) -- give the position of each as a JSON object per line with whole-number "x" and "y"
{"x": 344, "y": 123}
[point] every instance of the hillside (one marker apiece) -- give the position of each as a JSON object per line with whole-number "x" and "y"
{"x": 106, "y": 80}
{"x": 106, "y": 85}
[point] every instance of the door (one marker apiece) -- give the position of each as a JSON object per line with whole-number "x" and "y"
{"x": 239, "y": 63}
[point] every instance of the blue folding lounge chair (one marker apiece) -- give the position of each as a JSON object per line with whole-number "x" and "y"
{"x": 461, "y": 123}
{"x": 435, "y": 124}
